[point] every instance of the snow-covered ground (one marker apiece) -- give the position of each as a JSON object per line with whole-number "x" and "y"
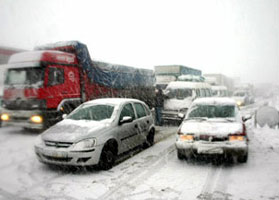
{"x": 154, "y": 173}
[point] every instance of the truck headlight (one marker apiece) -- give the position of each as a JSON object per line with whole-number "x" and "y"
{"x": 83, "y": 145}
{"x": 5, "y": 117}
{"x": 36, "y": 119}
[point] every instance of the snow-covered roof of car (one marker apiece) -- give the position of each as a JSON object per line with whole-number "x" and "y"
{"x": 215, "y": 101}
{"x": 186, "y": 84}
{"x": 116, "y": 101}
{"x": 218, "y": 87}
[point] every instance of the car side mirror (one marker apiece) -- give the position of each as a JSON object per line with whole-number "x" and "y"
{"x": 181, "y": 115}
{"x": 246, "y": 117}
{"x": 64, "y": 116}
{"x": 125, "y": 119}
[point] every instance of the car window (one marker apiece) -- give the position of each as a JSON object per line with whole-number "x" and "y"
{"x": 127, "y": 111}
{"x": 202, "y": 93}
{"x": 140, "y": 110}
{"x": 198, "y": 93}
{"x": 148, "y": 112}
{"x": 212, "y": 111}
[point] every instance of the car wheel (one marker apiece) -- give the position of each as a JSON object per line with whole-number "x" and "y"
{"x": 149, "y": 139}
{"x": 242, "y": 158}
{"x": 107, "y": 158}
{"x": 181, "y": 155}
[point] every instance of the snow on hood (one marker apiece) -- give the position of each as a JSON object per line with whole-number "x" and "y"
{"x": 177, "y": 104}
{"x": 74, "y": 130}
{"x": 238, "y": 98}
{"x": 216, "y": 128}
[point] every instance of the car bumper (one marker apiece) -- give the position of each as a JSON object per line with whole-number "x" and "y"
{"x": 212, "y": 148}
{"x": 55, "y": 156}
{"x": 170, "y": 116}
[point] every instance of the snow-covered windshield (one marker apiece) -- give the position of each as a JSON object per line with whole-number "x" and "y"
{"x": 94, "y": 112}
{"x": 25, "y": 76}
{"x": 179, "y": 93}
{"x": 212, "y": 111}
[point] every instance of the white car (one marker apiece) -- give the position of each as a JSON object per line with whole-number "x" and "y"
{"x": 96, "y": 133}
{"x": 213, "y": 126}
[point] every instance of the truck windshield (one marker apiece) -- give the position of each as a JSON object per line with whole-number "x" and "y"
{"x": 212, "y": 111}
{"x": 95, "y": 113}
{"x": 179, "y": 93}
{"x": 33, "y": 76}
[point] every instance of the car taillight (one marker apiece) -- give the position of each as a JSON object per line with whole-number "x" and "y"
{"x": 239, "y": 136}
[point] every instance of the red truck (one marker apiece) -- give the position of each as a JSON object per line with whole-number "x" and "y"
{"x": 43, "y": 84}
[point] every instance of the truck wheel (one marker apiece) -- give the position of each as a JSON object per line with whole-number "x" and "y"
{"x": 242, "y": 158}
{"x": 107, "y": 158}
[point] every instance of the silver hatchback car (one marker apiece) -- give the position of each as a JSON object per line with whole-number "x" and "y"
{"x": 96, "y": 133}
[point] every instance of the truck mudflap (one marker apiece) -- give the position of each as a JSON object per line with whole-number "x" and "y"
{"x": 30, "y": 119}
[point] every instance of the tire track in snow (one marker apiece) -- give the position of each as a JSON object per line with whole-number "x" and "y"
{"x": 125, "y": 186}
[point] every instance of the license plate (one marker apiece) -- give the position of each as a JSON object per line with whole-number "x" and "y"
{"x": 56, "y": 154}
{"x": 210, "y": 150}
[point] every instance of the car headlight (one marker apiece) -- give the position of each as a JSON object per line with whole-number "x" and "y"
{"x": 239, "y": 103}
{"x": 83, "y": 145}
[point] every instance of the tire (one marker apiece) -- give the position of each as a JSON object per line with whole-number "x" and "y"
{"x": 181, "y": 156}
{"x": 149, "y": 139}
{"x": 242, "y": 158}
{"x": 107, "y": 158}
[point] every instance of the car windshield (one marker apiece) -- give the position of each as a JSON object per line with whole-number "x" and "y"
{"x": 239, "y": 94}
{"x": 212, "y": 111}
{"x": 25, "y": 76}
{"x": 94, "y": 113}
{"x": 179, "y": 93}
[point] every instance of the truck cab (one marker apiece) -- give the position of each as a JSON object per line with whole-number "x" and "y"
{"x": 37, "y": 86}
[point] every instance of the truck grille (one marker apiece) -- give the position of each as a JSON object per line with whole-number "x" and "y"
{"x": 58, "y": 144}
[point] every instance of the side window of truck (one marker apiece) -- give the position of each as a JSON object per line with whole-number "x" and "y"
{"x": 55, "y": 76}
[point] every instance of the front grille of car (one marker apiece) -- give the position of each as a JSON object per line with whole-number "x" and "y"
{"x": 58, "y": 144}
{"x": 51, "y": 158}
{"x": 211, "y": 138}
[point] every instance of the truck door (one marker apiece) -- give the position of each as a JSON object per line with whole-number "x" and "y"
{"x": 62, "y": 82}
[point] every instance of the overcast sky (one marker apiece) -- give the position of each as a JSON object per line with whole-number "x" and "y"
{"x": 239, "y": 38}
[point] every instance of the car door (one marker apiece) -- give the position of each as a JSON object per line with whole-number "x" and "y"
{"x": 128, "y": 131}
{"x": 143, "y": 122}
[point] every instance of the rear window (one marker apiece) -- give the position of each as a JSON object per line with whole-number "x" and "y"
{"x": 212, "y": 111}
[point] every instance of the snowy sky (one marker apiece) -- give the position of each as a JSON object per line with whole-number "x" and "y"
{"x": 239, "y": 38}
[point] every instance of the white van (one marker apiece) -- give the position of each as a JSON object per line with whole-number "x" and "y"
{"x": 179, "y": 97}
{"x": 219, "y": 91}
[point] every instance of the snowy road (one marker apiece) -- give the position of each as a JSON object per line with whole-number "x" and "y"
{"x": 154, "y": 173}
